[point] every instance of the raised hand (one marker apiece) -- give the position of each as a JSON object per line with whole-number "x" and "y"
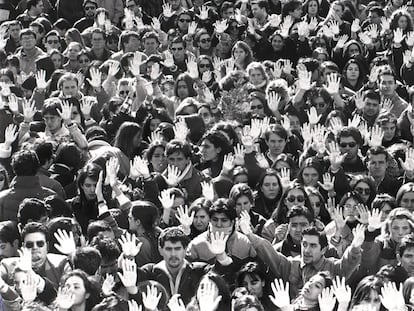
{"x": 192, "y": 28}
{"x": 326, "y": 300}
{"x": 112, "y": 169}
{"x": 356, "y": 119}
{"x": 135, "y": 64}
{"x": 334, "y": 25}
{"x": 355, "y": 27}
{"x": 203, "y": 13}
{"x": 341, "y": 41}
{"x": 313, "y": 116}
{"x": 128, "y": 276}
{"x": 113, "y": 69}
{"x": 207, "y": 299}
{"x": 408, "y": 164}
{"x": 385, "y": 24}
{"x": 287, "y": 66}
{"x": 66, "y": 112}
{"x": 108, "y": 285}
{"x": 341, "y": 291}
{"x": 29, "y": 111}
{"x": 167, "y": 10}
{"x": 303, "y": 29}
{"x": 273, "y": 101}
{"x": 410, "y": 38}
{"x": 335, "y": 125}
{"x": 229, "y": 65}
{"x": 276, "y": 70}
{"x": 217, "y": 243}
{"x": 392, "y": 298}
{"x": 245, "y": 224}
{"x": 220, "y": 26}
{"x": 359, "y": 236}
{"x": 334, "y": 81}
{"x": 130, "y": 244}
{"x": 275, "y": 20}
{"x": 166, "y": 199}
{"x": 374, "y": 220}
{"x": 96, "y": 78}
{"x": 207, "y": 190}
{"x": 176, "y": 303}
{"x": 206, "y": 77}
{"x": 25, "y": 259}
{"x": 66, "y": 242}
{"x": 28, "y": 288}
{"x": 228, "y": 162}
{"x": 387, "y": 105}
{"x": 133, "y": 306}
{"x": 284, "y": 177}
{"x": 239, "y": 152}
{"x": 373, "y": 31}
{"x": 359, "y": 100}
{"x": 281, "y": 231}
{"x": 151, "y": 298}
{"x": 156, "y": 24}
{"x": 365, "y": 38}
{"x": 335, "y": 156}
{"x": 304, "y": 80}
{"x": 377, "y": 134}
{"x": 65, "y": 298}
{"x": 138, "y": 168}
{"x": 5, "y": 89}
{"x": 192, "y": 68}
{"x": 337, "y": 216}
{"x": 41, "y": 80}
{"x": 181, "y": 130}
{"x": 328, "y": 182}
{"x": 169, "y": 59}
{"x": 398, "y": 36}
{"x": 313, "y": 23}
{"x": 363, "y": 214}
{"x": 10, "y": 135}
{"x": 280, "y": 290}
{"x": 184, "y": 217}
{"x": 261, "y": 161}
{"x": 86, "y": 106}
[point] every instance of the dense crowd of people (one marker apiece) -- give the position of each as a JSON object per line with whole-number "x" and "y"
{"x": 222, "y": 155}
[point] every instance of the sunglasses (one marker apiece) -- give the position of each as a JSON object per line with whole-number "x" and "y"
{"x": 366, "y": 191}
{"x": 204, "y": 65}
{"x": 205, "y": 40}
{"x": 30, "y": 244}
{"x": 182, "y": 20}
{"x": 299, "y": 198}
{"x": 123, "y": 92}
{"x": 84, "y": 61}
{"x": 177, "y": 49}
{"x": 87, "y": 8}
{"x": 52, "y": 41}
{"x": 256, "y": 107}
{"x": 351, "y": 145}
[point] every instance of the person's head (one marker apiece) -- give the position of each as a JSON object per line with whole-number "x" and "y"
{"x": 150, "y": 42}
{"x": 310, "y": 173}
{"x": 299, "y": 218}
{"x": 220, "y": 288}
{"x": 70, "y": 155}
{"x": 4, "y": 178}
{"x": 214, "y": 146}
{"x": 172, "y": 244}
{"x": 177, "y": 48}
{"x": 385, "y": 203}
{"x": 178, "y": 154}
{"x": 184, "y": 86}
{"x": 67, "y": 224}
{"x": 90, "y": 6}
{"x": 183, "y": 21}
{"x": 242, "y": 53}
{"x": 349, "y": 140}
{"x": 68, "y": 84}
{"x": 128, "y": 138}
{"x": 367, "y": 293}
{"x": 311, "y": 7}
{"x": 241, "y": 197}
{"x": 313, "y": 288}
{"x": 35, "y": 237}
{"x": 408, "y": 291}
{"x": 283, "y": 161}
{"x": 320, "y": 99}
{"x": 87, "y": 259}
{"x": 353, "y": 71}
{"x": 57, "y": 58}
{"x": 405, "y": 253}
{"x": 257, "y": 74}
{"x": 349, "y": 203}
{"x": 32, "y": 210}
{"x": 142, "y": 216}
{"x": 292, "y": 8}
{"x": 405, "y": 196}
{"x": 259, "y": 8}
{"x": 314, "y": 245}
{"x": 257, "y": 104}
{"x": 27, "y": 39}
{"x": 109, "y": 250}
{"x": 202, "y": 39}
{"x": 386, "y": 83}
{"x": 222, "y": 216}
{"x": 9, "y": 239}
{"x": 247, "y": 303}
{"x": 35, "y": 7}
{"x": 276, "y": 139}
{"x": 377, "y": 161}
{"x": 269, "y": 185}
{"x": 388, "y": 123}
{"x": 401, "y": 19}
{"x": 98, "y": 38}
{"x": 365, "y": 187}
{"x": 100, "y": 229}
{"x": 371, "y": 103}
{"x": 25, "y": 163}
{"x": 156, "y": 156}
{"x": 277, "y": 41}
{"x": 399, "y": 223}
{"x": 253, "y": 278}
{"x": 200, "y": 208}
{"x": 87, "y": 180}
{"x": 52, "y": 41}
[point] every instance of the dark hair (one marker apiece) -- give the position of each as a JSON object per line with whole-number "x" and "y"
{"x": 146, "y": 212}
{"x": 219, "y": 140}
{"x": 173, "y": 235}
{"x": 9, "y": 232}
{"x": 87, "y": 259}
{"x": 381, "y": 199}
{"x": 35, "y": 227}
{"x": 27, "y": 32}
{"x": 124, "y": 135}
{"x": 44, "y": 151}
{"x": 223, "y": 206}
{"x": 246, "y": 302}
{"x": 364, "y": 288}
{"x": 176, "y": 145}
{"x": 297, "y": 210}
{"x": 51, "y": 107}
{"x": 406, "y": 243}
{"x": 377, "y": 151}
{"x": 371, "y": 184}
{"x": 323, "y": 240}
{"x": 96, "y": 227}
{"x": 349, "y": 131}
{"x": 90, "y": 170}
{"x": 31, "y": 209}
{"x": 25, "y": 163}
{"x": 407, "y": 290}
{"x": 189, "y": 83}
{"x": 108, "y": 248}
{"x": 252, "y": 269}
{"x": 228, "y": 128}
{"x": 238, "y": 191}
{"x": 70, "y": 155}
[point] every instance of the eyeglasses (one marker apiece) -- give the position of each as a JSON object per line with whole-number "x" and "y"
{"x": 30, "y": 244}
{"x": 253, "y": 107}
{"x": 52, "y": 41}
{"x": 182, "y": 20}
{"x": 204, "y": 65}
{"x": 350, "y": 144}
{"x": 299, "y": 198}
{"x": 87, "y": 8}
{"x": 123, "y": 92}
{"x": 86, "y": 60}
{"x": 366, "y": 191}
{"x": 205, "y": 40}
{"x": 177, "y": 49}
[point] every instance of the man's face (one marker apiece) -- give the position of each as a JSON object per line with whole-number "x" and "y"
{"x": 39, "y": 35}
{"x": 276, "y": 144}
{"x": 8, "y": 249}
{"x": 348, "y": 146}
{"x": 387, "y": 85}
{"x": 374, "y": 17}
{"x": 131, "y": 5}
{"x": 184, "y": 21}
{"x": 52, "y": 122}
{"x": 296, "y": 226}
{"x": 173, "y": 254}
{"x": 52, "y": 42}
{"x": 70, "y": 88}
{"x": 338, "y": 10}
{"x": 98, "y": 41}
{"x": 371, "y": 108}
{"x": 90, "y": 10}
{"x": 28, "y": 42}
{"x": 257, "y": 11}
{"x": 37, "y": 243}
{"x": 132, "y": 45}
{"x": 178, "y": 160}
{"x": 226, "y": 14}
{"x": 311, "y": 249}
{"x": 407, "y": 260}
{"x": 221, "y": 223}
{"x": 377, "y": 165}
{"x": 175, "y": 4}
{"x": 177, "y": 50}
{"x": 15, "y": 31}
{"x": 150, "y": 45}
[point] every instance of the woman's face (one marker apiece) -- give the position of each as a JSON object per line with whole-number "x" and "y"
{"x": 208, "y": 151}
{"x": 84, "y": 62}
{"x": 205, "y": 42}
{"x": 73, "y": 50}
{"x": 350, "y": 209}
{"x": 353, "y": 50}
{"x": 239, "y": 54}
{"x": 281, "y": 164}
{"x": 310, "y": 176}
{"x": 256, "y": 107}
{"x": 182, "y": 90}
{"x": 294, "y": 122}
{"x": 88, "y": 187}
{"x": 297, "y": 13}
{"x": 403, "y": 22}
{"x": 201, "y": 220}
{"x": 352, "y": 72}
{"x": 270, "y": 187}
{"x": 313, "y": 288}
{"x": 256, "y": 77}
{"x": 371, "y": 300}
{"x": 5, "y": 79}
{"x": 363, "y": 189}
{"x": 159, "y": 160}
{"x": 399, "y": 228}
{"x": 277, "y": 43}
{"x": 205, "y": 114}
{"x": 313, "y": 8}
{"x": 295, "y": 197}
{"x": 203, "y": 66}
{"x": 76, "y": 117}
{"x": 316, "y": 204}
{"x": 136, "y": 140}
{"x": 57, "y": 60}
{"x": 407, "y": 201}
{"x": 76, "y": 286}
{"x": 154, "y": 124}
{"x": 243, "y": 204}
{"x": 389, "y": 129}
{"x": 386, "y": 210}
{"x": 254, "y": 285}
{"x": 320, "y": 105}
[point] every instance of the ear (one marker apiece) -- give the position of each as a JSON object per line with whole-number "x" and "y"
{"x": 15, "y": 244}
